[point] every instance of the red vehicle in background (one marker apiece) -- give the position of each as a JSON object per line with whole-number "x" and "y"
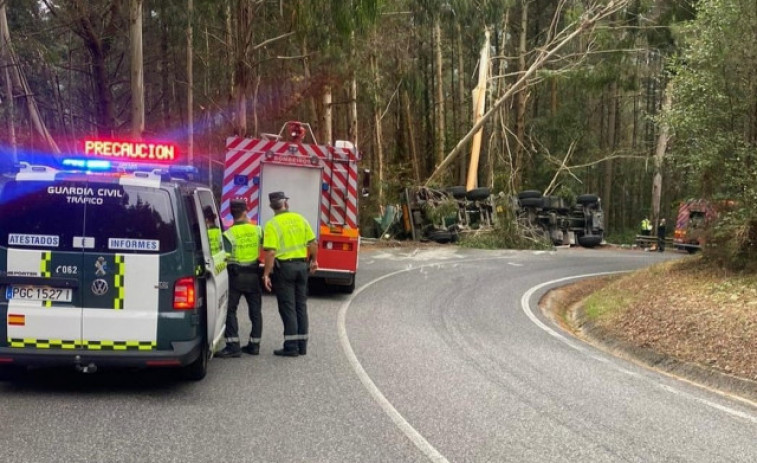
{"x": 694, "y": 218}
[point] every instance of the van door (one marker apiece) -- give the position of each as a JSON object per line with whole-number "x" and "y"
{"x": 132, "y": 249}
{"x": 214, "y": 259}
{"x": 41, "y": 241}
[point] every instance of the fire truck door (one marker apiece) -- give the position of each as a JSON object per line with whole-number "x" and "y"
{"x": 303, "y": 186}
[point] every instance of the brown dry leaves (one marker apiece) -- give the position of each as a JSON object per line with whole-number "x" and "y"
{"x": 691, "y": 313}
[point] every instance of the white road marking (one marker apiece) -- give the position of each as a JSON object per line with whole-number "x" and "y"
{"x": 525, "y": 305}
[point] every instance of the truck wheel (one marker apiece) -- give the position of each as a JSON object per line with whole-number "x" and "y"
{"x": 478, "y": 194}
{"x": 531, "y": 202}
{"x": 587, "y": 199}
{"x": 440, "y": 236}
{"x": 528, "y": 194}
{"x": 457, "y": 192}
{"x": 197, "y": 370}
{"x": 590, "y": 241}
{"x": 349, "y": 288}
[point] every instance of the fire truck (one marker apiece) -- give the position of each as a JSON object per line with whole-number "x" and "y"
{"x": 321, "y": 182}
{"x": 694, "y": 217}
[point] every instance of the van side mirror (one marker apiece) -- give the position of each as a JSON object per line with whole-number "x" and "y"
{"x": 365, "y": 191}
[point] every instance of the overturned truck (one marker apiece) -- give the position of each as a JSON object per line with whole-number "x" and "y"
{"x": 441, "y": 214}
{"x": 559, "y": 220}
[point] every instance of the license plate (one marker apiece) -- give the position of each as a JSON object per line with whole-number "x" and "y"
{"x": 38, "y": 293}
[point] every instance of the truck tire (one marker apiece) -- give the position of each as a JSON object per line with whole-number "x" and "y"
{"x": 478, "y": 194}
{"x": 527, "y": 194}
{"x": 440, "y": 236}
{"x": 457, "y": 192}
{"x": 348, "y": 288}
{"x": 587, "y": 199}
{"x": 590, "y": 241}
{"x": 531, "y": 202}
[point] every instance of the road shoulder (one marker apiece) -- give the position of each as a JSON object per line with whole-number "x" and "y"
{"x": 564, "y": 305}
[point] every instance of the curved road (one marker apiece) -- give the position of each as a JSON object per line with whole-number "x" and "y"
{"x": 440, "y": 355}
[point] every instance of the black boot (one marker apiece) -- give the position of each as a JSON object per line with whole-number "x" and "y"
{"x": 252, "y": 349}
{"x": 303, "y": 347}
{"x": 286, "y": 352}
{"x": 230, "y": 351}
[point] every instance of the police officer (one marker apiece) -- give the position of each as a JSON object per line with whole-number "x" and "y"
{"x": 242, "y": 241}
{"x": 290, "y": 255}
{"x": 214, "y": 232}
{"x": 646, "y": 226}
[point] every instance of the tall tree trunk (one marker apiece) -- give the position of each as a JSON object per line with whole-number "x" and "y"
{"x": 379, "y": 133}
{"x": 312, "y": 106}
{"x": 165, "y": 70}
{"x": 611, "y": 145}
{"x": 137, "y": 70}
{"x": 326, "y": 116}
{"x": 190, "y": 83}
{"x": 462, "y": 166}
{"x": 19, "y": 80}
{"x": 409, "y": 120}
{"x": 241, "y": 69}
{"x": 439, "y": 132}
{"x": 659, "y": 157}
{"x": 520, "y": 100}
{"x": 352, "y": 128}
{"x": 7, "y": 62}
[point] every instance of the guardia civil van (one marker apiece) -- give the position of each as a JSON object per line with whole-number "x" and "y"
{"x": 106, "y": 264}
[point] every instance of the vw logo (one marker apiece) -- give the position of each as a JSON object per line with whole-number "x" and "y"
{"x": 99, "y": 287}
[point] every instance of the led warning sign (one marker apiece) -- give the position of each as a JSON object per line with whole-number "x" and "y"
{"x": 131, "y": 150}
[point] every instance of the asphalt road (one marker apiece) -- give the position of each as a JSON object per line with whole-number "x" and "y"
{"x": 439, "y": 355}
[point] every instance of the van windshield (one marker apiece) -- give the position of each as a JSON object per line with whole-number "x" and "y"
{"x": 86, "y": 216}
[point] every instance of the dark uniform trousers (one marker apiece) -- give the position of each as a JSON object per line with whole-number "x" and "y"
{"x": 290, "y": 283}
{"x": 244, "y": 281}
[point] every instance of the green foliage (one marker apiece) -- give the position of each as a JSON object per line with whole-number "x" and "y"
{"x": 713, "y": 95}
{"x": 505, "y": 235}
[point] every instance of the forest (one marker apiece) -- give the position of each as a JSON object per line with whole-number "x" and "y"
{"x": 644, "y": 103}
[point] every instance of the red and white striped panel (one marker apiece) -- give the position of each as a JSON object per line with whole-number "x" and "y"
{"x": 338, "y": 203}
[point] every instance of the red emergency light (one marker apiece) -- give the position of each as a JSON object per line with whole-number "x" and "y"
{"x": 133, "y": 151}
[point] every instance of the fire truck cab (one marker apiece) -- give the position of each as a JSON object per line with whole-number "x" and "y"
{"x": 321, "y": 182}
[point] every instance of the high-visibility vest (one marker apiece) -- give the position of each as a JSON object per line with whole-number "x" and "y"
{"x": 288, "y": 233}
{"x": 215, "y": 239}
{"x": 646, "y": 225}
{"x": 245, "y": 243}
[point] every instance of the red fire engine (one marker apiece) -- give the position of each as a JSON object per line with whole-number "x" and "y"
{"x": 321, "y": 182}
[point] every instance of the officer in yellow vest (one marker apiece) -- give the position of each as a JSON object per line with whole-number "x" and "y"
{"x": 214, "y": 232}
{"x": 646, "y": 227}
{"x": 291, "y": 255}
{"x": 242, "y": 241}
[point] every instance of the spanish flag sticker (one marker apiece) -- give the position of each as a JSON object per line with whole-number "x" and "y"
{"x": 16, "y": 319}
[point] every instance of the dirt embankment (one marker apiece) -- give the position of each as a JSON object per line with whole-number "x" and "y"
{"x": 694, "y": 323}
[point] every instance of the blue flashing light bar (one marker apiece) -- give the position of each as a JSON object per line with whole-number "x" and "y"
{"x": 87, "y": 164}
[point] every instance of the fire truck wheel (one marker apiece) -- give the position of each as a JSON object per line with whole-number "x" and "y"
{"x": 457, "y": 192}
{"x": 350, "y": 288}
{"x": 528, "y": 194}
{"x": 590, "y": 241}
{"x": 585, "y": 200}
{"x": 478, "y": 194}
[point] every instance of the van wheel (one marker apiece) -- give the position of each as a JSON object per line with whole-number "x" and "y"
{"x": 197, "y": 370}
{"x": 10, "y": 372}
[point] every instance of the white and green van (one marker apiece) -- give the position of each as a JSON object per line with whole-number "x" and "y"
{"x": 108, "y": 269}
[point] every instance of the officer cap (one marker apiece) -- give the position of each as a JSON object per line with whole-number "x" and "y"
{"x": 238, "y": 205}
{"x": 277, "y": 196}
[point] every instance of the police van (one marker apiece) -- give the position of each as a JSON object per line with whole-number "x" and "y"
{"x": 109, "y": 267}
